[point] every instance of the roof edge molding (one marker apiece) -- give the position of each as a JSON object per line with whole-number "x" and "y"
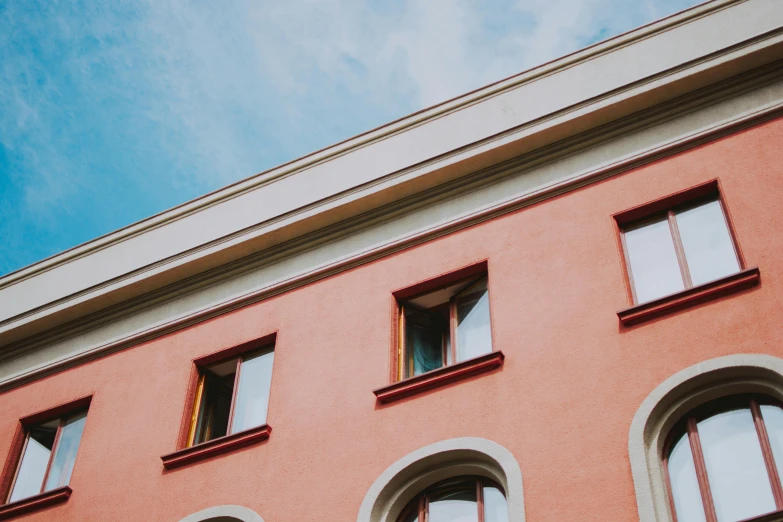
{"x": 635, "y": 81}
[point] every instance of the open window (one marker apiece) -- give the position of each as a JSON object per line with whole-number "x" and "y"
{"x": 48, "y": 456}
{"x": 444, "y": 326}
{"x": 231, "y": 396}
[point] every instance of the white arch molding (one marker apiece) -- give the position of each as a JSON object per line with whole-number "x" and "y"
{"x": 224, "y": 514}
{"x": 673, "y": 398}
{"x": 407, "y": 477}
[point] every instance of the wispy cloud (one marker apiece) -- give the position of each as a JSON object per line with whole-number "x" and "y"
{"x": 112, "y": 111}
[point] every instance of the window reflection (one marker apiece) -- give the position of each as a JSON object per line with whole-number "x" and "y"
{"x": 48, "y": 456}
{"x": 709, "y": 250}
{"x": 735, "y": 466}
{"x": 737, "y": 441}
{"x": 684, "y": 484}
{"x": 255, "y": 380}
{"x": 654, "y": 266}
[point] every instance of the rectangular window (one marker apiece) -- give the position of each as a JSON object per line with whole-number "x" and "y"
{"x": 231, "y": 396}
{"x": 686, "y": 245}
{"x": 48, "y": 456}
{"x": 443, "y": 326}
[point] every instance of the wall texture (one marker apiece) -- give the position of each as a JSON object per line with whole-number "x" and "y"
{"x": 562, "y": 404}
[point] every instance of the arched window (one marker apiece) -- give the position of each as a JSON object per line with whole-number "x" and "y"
{"x": 723, "y": 460}
{"x": 463, "y": 499}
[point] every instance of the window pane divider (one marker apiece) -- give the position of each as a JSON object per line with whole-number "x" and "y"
{"x": 53, "y": 453}
{"x": 480, "y": 500}
{"x": 234, "y": 394}
{"x": 766, "y": 451}
{"x": 680, "y": 250}
{"x": 701, "y": 471}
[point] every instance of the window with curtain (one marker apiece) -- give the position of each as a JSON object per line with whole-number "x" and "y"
{"x": 444, "y": 326}
{"x": 723, "y": 461}
{"x": 463, "y": 499}
{"x": 48, "y": 456}
{"x": 231, "y": 396}
{"x": 679, "y": 248}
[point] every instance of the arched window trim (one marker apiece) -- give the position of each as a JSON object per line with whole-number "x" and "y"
{"x": 227, "y": 512}
{"x": 403, "y": 480}
{"x": 674, "y": 398}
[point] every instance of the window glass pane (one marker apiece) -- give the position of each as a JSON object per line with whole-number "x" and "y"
{"x": 65, "y": 456}
{"x": 255, "y": 380}
{"x": 474, "y": 336}
{"x": 735, "y": 466}
{"x": 33, "y": 465}
{"x": 709, "y": 249}
{"x": 685, "y": 485}
{"x": 654, "y": 267}
{"x": 424, "y": 333}
{"x": 773, "y": 420}
{"x": 495, "y": 505}
{"x": 457, "y": 504}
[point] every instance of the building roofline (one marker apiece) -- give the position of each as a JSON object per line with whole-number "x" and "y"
{"x": 363, "y": 139}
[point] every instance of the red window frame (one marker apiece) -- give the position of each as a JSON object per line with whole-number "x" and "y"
{"x": 470, "y": 275}
{"x": 62, "y": 413}
{"x": 668, "y": 207}
{"x": 688, "y": 427}
{"x": 192, "y": 397}
{"x": 198, "y": 403}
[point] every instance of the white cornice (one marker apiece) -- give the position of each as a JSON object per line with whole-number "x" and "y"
{"x": 367, "y": 138}
{"x": 659, "y": 62}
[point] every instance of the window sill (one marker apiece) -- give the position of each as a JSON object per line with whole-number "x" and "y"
{"x": 690, "y": 297}
{"x": 775, "y": 516}
{"x": 215, "y": 447}
{"x": 34, "y": 503}
{"x": 439, "y": 377}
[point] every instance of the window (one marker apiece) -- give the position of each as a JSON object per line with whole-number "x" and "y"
{"x": 47, "y": 457}
{"x": 681, "y": 247}
{"x": 723, "y": 461}
{"x": 464, "y": 499}
{"x": 443, "y": 326}
{"x": 231, "y": 396}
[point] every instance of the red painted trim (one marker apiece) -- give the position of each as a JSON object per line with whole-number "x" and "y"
{"x": 34, "y": 503}
{"x": 687, "y": 196}
{"x": 61, "y": 410}
{"x": 216, "y": 446}
{"x": 435, "y": 283}
{"x": 439, "y": 377}
{"x": 690, "y": 297}
{"x": 235, "y": 351}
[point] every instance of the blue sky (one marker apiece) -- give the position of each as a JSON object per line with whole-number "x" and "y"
{"x": 111, "y": 111}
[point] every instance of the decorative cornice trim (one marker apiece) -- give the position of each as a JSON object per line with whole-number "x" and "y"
{"x": 440, "y": 377}
{"x": 216, "y": 447}
{"x": 34, "y": 503}
{"x": 362, "y": 140}
{"x": 747, "y": 120}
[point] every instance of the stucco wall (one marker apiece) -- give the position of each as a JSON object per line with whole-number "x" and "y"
{"x": 562, "y": 404}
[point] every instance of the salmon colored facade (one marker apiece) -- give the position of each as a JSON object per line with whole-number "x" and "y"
{"x": 562, "y": 402}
